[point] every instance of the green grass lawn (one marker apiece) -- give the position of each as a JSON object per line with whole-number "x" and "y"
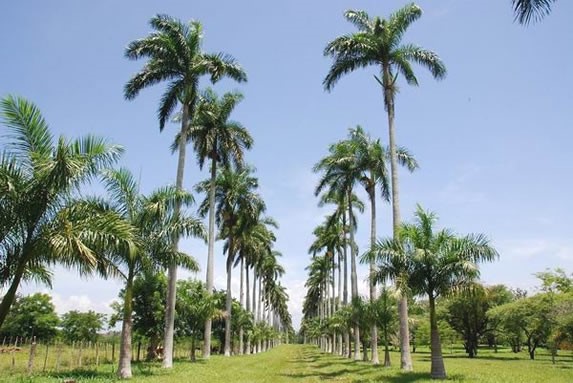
{"x": 297, "y": 363}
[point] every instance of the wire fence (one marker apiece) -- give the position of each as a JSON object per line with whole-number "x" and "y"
{"x": 32, "y": 356}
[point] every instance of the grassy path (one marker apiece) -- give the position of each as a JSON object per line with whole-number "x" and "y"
{"x": 301, "y": 364}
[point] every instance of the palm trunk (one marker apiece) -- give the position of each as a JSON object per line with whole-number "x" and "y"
{"x": 229, "y": 301}
{"x": 172, "y": 272}
{"x": 192, "y": 351}
{"x": 387, "y": 362}
{"x": 438, "y": 370}
{"x": 242, "y": 300}
{"x": 373, "y": 328}
{"x": 10, "y": 295}
{"x": 124, "y": 368}
{"x": 247, "y": 307}
{"x": 405, "y": 357}
{"x": 353, "y": 275}
{"x": 210, "y": 256}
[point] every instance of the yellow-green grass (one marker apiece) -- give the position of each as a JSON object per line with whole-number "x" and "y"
{"x": 297, "y": 363}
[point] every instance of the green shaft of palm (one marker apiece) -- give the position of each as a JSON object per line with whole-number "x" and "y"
{"x": 405, "y": 357}
{"x": 210, "y": 255}
{"x": 172, "y": 272}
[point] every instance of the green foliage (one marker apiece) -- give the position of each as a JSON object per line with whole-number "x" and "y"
{"x": 528, "y": 320}
{"x": 45, "y": 221}
{"x": 194, "y": 306}
{"x": 529, "y": 11}
{"x": 466, "y": 313}
{"x": 78, "y": 326}
{"x": 32, "y": 316}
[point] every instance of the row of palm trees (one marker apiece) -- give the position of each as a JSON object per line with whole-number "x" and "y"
{"x": 360, "y": 160}
{"x": 173, "y": 52}
{"x": 44, "y": 220}
{"x": 378, "y": 42}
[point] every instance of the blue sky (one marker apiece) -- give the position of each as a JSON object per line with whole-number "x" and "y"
{"x": 492, "y": 139}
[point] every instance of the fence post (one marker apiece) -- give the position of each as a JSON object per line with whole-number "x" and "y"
{"x": 97, "y": 354}
{"x": 80, "y": 355}
{"x": 113, "y": 356}
{"x": 58, "y": 356}
{"x": 13, "y": 352}
{"x": 138, "y": 350}
{"x": 46, "y": 357}
{"x": 32, "y": 355}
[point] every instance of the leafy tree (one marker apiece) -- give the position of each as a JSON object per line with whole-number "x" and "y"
{"x": 45, "y": 221}
{"x": 194, "y": 306}
{"x": 433, "y": 264}
{"x": 378, "y": 42}
{"x": 148, "y": 309}
{"x": 466, "y": 313}
{"x": 174, "y": 54}
{"x": 78, "y": 326}
{"x": 531, "y": 318}
{"x": 528, "y": 11}
{"x": 31, "y": 316}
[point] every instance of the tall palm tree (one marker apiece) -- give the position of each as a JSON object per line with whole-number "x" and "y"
{"x": 371, "y": 158}
{"x": 174, "y": 54}
{"x": 155, "y": 225}
{"x": 378, "y": 42}
{"x": 44, "y": 220}
{"x": 433, "y": 264}
{"x": 340, "y": 173}
{"x": 237, "y": 207}
{"x": 223, "y": 141}
{"x": 252, "y": 243}
{"x": 528, "y": 11}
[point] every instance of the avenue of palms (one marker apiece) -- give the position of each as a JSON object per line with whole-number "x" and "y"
{"x": 375, "y": 279}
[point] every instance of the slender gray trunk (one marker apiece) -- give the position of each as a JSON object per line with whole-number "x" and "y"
{"x": 353, "y": 276}
{"x": 124, "y": 367}
{"x": 172, "y": 271}
{"x": 242, "y": 300}
{"x": 210, "y": 256}
{"x": 247, "y": 306}
{"x": 438, "y": 370}
{"x": 229, "y": 301}
{"x": 372, "y": 285}
{"x": 405, "y": 356}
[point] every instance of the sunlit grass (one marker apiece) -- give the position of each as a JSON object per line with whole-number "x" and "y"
{"x": 296, "y": 363}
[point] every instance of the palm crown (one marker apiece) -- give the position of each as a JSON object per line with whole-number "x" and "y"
{"x": 379, "y": 42}
{"x": 175, "y": 55}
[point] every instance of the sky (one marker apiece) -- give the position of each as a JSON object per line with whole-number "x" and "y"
{"x": 492, "y": 139}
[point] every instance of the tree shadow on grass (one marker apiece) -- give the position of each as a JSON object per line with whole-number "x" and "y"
{"x": 409, "y": 377}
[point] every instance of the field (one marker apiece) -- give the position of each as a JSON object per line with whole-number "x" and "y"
{"x": 297, "y": 363}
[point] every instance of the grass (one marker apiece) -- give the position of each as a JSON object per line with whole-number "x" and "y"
{"x": 297, "y": 364}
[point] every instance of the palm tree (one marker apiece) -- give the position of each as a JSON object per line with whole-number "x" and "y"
{"x": 378, "y": 42}
{"x": 174, "y": 54}
{"x": 44, "y": 220}
{"x": 223, "y": 141}
{"x": 340, "y": 173}
{"x": 371, "y": 158}
{"x": 237, "y": 207}
{"x": 252, "y": 243}
{"x": 156, "y": 224}
{"x": 528, "y": 11}
{"x": 433, "y": 264}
